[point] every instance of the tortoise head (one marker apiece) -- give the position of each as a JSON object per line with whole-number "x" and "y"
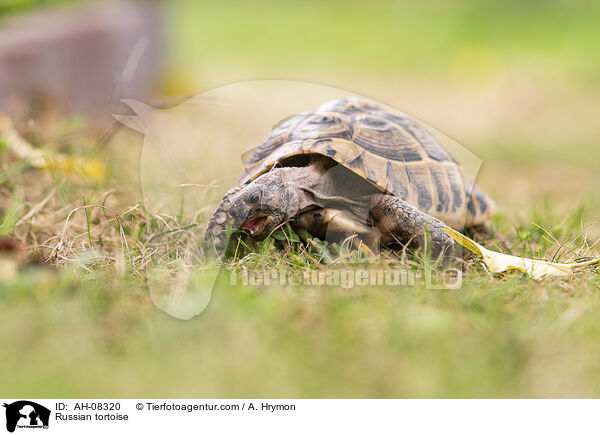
{"x": 264, "y": 204}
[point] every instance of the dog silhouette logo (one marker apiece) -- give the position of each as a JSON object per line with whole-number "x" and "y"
{"x": 26, "y": 414}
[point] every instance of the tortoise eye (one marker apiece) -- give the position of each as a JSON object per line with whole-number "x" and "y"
{"x": 254, "y": 198}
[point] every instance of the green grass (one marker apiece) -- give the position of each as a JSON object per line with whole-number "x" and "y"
{"x": 100, "y": 336}
{"x": 76, "y": 294}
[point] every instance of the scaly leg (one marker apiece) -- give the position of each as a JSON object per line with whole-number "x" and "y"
{"x": 399, "y": 221}
{"x": 215, "y": 237}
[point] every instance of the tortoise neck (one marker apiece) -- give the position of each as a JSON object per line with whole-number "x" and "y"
{"x": 300, "y": 181}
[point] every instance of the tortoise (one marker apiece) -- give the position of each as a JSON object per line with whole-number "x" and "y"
{"x": 352, "y": 166}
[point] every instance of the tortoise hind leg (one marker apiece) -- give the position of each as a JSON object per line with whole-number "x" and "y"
{"x": 479, "y": 233}
{"x": 323, "y": 222}
{"x": 484, "y": 233}
{"x": 400, "y": 222}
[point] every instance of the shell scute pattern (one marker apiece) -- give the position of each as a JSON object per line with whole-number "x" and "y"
{"x": 382, "y": 138}
{"x": 442, "y": 192}
{"x": 427, "y": 141}
{"x": 390, "y": 149}
{"x": 320, "y": 126}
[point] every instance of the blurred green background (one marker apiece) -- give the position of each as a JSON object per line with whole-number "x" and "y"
{"x": 517, "y": 83}
{"x": 390, "y": 38}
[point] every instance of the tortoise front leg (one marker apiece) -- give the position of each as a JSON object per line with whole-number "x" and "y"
{"x": 400, "y": 222}
{"x": 215, "y": 236}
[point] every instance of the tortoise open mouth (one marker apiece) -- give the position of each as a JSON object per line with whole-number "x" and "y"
{"x": 256, "y": 224}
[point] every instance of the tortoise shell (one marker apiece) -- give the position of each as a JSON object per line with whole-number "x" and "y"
{"x": 391, "y": 150}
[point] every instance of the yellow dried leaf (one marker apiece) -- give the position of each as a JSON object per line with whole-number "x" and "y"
{"x": 89, "y": 168}
{"x": 94, "y": 169}
{"x": 497, "y": 262}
